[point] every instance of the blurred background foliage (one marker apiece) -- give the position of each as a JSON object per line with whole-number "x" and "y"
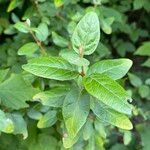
{"x": 125, "y": 32}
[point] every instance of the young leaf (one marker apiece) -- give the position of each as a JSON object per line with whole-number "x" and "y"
{"x": 53, "y": 97}
{"x": 115, "y": 69}
{"x": 28, "y": 49}
{"x": 48, "y": 119}
{"x": 86, "y": 35}
{"x": 108, "y": 91}
{"x": 75, "y": 111}
{"x": 74, "y": 58}
{"x": 108, "y": 115}
{"x": 14, "y": 92}
{"x": 52, "y": 68}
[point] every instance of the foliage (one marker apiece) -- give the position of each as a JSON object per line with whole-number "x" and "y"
{"x": 74, "y": 74}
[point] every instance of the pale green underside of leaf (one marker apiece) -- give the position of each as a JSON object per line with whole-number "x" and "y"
{"x": 14, "y": 92}
{"x": 53, "y": 97}
{"x": 52, "y": 68}
{"x": 108, "y": 115}
{"x": 115, "y": 69}
{"x": 75, "y": 111}
{"x": 87, "y": 34}
{"x": 108, "y": 91}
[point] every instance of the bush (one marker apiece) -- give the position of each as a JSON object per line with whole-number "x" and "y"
{"x": 74, "y": 74}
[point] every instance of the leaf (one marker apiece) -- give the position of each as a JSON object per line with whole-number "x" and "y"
{"x": 88, "y": 129}
{"x": 75, "y": 111}
{"x": 42, "y": 32}
{"x": 108, "y": 91}
{"x": 20, "y": 126}
{"x": 144, "y": 91}
{"x": 59, "y": 40}
{"x": 48, "y": 119}
{"x": 13, "y": 4}
{"x": 108, "y": 115}
{"x": 74, "y": 58}
{"x": 28, "y": 49}
{"x": 52, "y": 68}
{"x": 106, "y": 25}
{"x": 34, "y": 114}
{"x": 143, "y": 50}
{"x": 135, "y": 80}
{"x": 146, "y": 63}
{"x": 53, "y": 97}
{"x": 6, "y": 124}
{"x": 137, "y": 4}
{"x": 3, "y": 74}
{"x": 68, "y": 141}
{"x": 144, "y": 131}
{"x": 86, "y": 35}
{"x": 14, "y": 92}
{"x": 58, "y": 3}
{"x": 22, "y": 27}
{"x": 127, "y": 137}
{"x": 114, "y": 68}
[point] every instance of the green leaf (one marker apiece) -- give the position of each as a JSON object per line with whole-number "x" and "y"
{"x": 53, "y": 97}
{"x": 3, "y": 74}
{"x": 108, "y": 91}
{"x": 59, "y": 40}
{"x": 135, "y": 80}
{"x": 6, "y": 124}
{"x": 22, "y": 27}
{"x": 88, "y": 129}
{"x": 13, "y": 4}
{"x": 143, "y": 50}
{"x": 68, "y": 141}
{"x": 58, "y": 3}
{"x": 48, "y": 119}
{"x": 86, "y": 35}
{"x": 42, "y": 32}
{"x": 75, "y": 111}
{"x": 74, "y": 58}
{"x": 106, "y": 25}
{"x": 137, "y": 4}
{"x": 14, "y": 92}
{"x": 52, "y": 68}
{"x": 28, "y": 49}
{"x": 146, "y": 63}
{"x": 144, "y": 91}
{"x": 34, "y": 114}
{"x": 108, "y": 115}
{"x": 20, "y": 126}
{"x": 115, "y": 69}
{"x": 144, "y": 131}
{"x": 127, "y": 137}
